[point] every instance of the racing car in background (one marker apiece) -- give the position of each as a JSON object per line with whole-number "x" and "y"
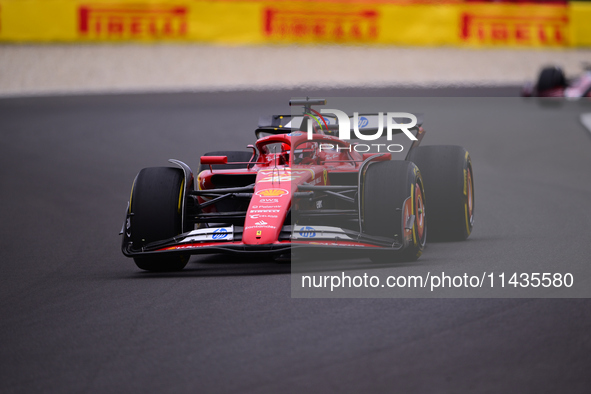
{"x": 553, "y": 83}
{"x": 287, "y": 193}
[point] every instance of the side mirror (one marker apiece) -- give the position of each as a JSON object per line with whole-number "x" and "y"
{"x": 211, "y": 160}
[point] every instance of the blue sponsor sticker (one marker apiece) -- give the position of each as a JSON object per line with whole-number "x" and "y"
{"x": 308, "y": 232}
{"x": 294, "y": 134}
{"x": 363, "y": 121}
{"x": 220, "y": 233}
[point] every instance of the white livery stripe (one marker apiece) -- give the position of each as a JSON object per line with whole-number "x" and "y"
{"x": 210, "y": 234}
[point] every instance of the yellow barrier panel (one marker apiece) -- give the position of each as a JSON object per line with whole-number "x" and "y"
{"x": 63, "y": 20}
{"x": 287, "y": 22}
{"x": 580, "y": 23}
{"x": 521, "y": 25}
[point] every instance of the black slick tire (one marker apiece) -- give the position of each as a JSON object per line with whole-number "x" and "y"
{"x": 156, "y": 208}
{"x": 550, "y": 78}
{"x": 392, "y": 191}
{"x": 449, "y": 190}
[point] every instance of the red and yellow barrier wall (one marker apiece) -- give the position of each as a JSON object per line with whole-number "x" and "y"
{"x": 239, "y": 22}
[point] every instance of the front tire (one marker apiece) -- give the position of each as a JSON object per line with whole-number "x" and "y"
{"x": 156, "y": 214}
{"x": 449, "y": 188}
{"x": 392, "y": 192}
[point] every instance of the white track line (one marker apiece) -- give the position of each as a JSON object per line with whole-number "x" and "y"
{"x": 586, "y": 120}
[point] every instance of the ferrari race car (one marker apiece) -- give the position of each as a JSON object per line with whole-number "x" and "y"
{"x": 301, "y": 186}
{"x": 552, "y": 83}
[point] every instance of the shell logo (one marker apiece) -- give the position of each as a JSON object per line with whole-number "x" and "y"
{"x": 272, "y": 192}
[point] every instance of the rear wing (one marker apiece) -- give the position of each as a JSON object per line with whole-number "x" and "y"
{"x": 273, "y": 124}
{"x": 368, "y": 123}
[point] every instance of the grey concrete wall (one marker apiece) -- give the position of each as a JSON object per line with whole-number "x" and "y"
{"x": 65, "y": 69}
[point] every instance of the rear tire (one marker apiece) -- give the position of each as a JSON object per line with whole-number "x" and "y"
{"x": 550, "y": 78}
{"x": 392, "y": 191}
{"x": 449, "y": 189}
{"x": 156, "y": 208}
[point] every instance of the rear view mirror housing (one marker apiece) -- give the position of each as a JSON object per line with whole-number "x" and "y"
{"x": 211, "y": 160}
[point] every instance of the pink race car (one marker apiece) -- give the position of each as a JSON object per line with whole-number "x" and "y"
{"x": 552, "y": 83}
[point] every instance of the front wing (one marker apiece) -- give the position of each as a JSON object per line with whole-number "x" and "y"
{"x": 229, "y": 240}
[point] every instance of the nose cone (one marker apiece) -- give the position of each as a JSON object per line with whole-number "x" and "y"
{"x": 271, "y": 202}
{"x": 268, "y": 207}
{"x": 266, "y": 215}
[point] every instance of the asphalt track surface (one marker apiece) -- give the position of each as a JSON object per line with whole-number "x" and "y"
{"x": 77, "y": 316}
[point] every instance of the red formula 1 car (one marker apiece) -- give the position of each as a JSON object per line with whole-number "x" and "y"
{"x": 553, "y": 83}
{"x": 300, "y": 189}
